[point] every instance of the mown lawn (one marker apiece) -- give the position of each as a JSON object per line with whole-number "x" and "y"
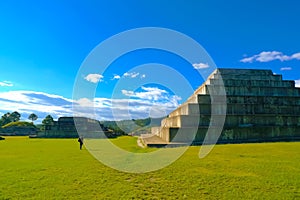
{"x": 57, "y": 169}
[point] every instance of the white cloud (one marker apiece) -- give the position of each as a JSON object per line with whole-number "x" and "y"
{"x": 94, "y": 78}
{"x": 297, "y": 83}
{"x": 267, "y": 56}
{"x": 85, "y": 102}
{"x": 6, "y": 84}
{"x": 296, "y": 56}
{"x": 149, "y": 93}
{"x": 118, "y": 109}
{"x": 128, "y": 93}
{"x": 134, "y": 109}
{"x": 31, "y": 96}
{"x": 116, "y": 77}
{"x": 134, "y": 75}
{"x": 27, "y": 102}
{"x": 247, "y": 60}
{"x": 285, "y": 68}
{"x": 152, "y": 102}
{"x": 131, "y": 75}
{"x": 200, "y": 65}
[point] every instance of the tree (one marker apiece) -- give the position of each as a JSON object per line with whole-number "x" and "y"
{"x": 32, "y": 117}
{"x": 10, "y": 117}
{"x": 5, "y": 119}
{"x": 48, "y": 120}
{"x": 14, "y": 117}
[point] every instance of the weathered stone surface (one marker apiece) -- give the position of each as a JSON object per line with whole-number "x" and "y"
{"x": 65, "y": 128}
{"x": 260, "y": 106}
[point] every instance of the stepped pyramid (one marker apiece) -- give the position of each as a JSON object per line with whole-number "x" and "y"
{"x": 258, "y": 106}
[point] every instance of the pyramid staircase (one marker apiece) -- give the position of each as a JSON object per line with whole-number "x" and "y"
{"x": 258, "y": 106}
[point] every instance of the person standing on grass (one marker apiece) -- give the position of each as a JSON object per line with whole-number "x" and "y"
{"x": 80, "y": 140}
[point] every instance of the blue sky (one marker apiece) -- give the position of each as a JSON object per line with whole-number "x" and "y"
{"x": 44, "y": 43}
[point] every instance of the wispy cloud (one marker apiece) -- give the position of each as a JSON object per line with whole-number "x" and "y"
{"x": 118, "y": 109}
{"x": 6, "y": 84}
{"x": 296, "y": 56}
{"x": 94, "y": 78}
{"x": 131, "y": 75}
{"x": 267, "y": 56}
{"x": 285, "y": 68}
{"x": 134, "y": 75}
{"x": 152, "y": 94}
{"x": 200, "y": 65}
{"x": 149, "y": 93}
{"x": 40, "y": 103}
{"x": 152, "y": 102}
{"x": 98, "y": 78}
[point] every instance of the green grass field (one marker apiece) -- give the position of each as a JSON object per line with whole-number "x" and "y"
{"x": 57, "y": 169}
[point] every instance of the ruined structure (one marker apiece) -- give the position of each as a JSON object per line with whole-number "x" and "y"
{"x": 259, "y": 106}
{"x": 65, "y": 128}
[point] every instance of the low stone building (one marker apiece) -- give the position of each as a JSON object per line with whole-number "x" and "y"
{"x": 65, "y": 128}
{"x": 255, "y": 105}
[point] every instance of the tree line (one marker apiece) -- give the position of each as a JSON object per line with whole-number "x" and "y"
{"x": 15, "y": 116}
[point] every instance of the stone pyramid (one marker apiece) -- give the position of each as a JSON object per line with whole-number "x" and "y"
{"x": 257, "y": 106}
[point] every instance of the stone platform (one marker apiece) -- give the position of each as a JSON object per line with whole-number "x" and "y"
{"x": 151, "y": 140}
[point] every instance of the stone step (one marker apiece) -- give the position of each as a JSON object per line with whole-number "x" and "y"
{"x": 228, "y": 135}
{"x": 247, "y": 77}
{"x": 231, "y": 120}
{"x": 277, "y": 100}
{"x": 235, "y": 108}
{"x": 246, "y": 91}
{"x": 251, "y": 91}
{"x": 151, "y": 138}
{"x": 249, "y": 72}
{"x": 251, "y": 83}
